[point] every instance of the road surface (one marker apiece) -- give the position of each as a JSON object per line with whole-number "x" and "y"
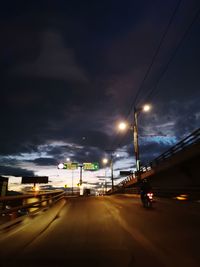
{"x": 116, "y": 231}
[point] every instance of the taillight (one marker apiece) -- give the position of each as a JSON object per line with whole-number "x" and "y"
{"x": 150, "y": 195}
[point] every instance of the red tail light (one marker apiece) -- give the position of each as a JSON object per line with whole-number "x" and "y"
{"x": 150, "y": 195}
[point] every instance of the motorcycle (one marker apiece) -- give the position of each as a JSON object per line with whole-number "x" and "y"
{"x": 147, "y": 200}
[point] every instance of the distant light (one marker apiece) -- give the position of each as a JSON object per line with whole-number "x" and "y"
{"x": 122, "y": 126}
{"x": 146, "y": 108}
{"x": 61, "y": 166}
{"x": 68, "y": 159}
{"x": 36, "y": 188}
{"x": 105, "y": 161}
{"x": 182, "y": 197}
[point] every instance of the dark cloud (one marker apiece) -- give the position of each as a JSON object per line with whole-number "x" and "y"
{"x": 41, "y": 114}
{"x": 44, "y": 162}
{"x": 55, "y": 61}
{"x": 15, "y": 171}
{"x": 151, "y": 150}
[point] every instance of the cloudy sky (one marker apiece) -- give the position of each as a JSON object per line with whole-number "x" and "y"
{"x": 70, "y": 70}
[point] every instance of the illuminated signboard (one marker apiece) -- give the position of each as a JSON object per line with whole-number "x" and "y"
{"x": 90, "y": 166}
{"x": 70, "y": 165}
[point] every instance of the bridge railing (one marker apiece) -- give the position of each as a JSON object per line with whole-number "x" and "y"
{"x": 191, "y": 139}
{"x": 16, "y": 207}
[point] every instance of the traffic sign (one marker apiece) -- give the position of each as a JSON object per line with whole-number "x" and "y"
{"x": 90, "y": 166}
{"x": 70, "y": 165}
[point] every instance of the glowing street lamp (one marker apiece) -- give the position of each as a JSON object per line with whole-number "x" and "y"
{"x": 122, "y": 126}
{"x": 105, "y": 161}
{"x": 146, "y": 108}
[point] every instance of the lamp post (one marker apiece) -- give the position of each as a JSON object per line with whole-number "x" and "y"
{"x": 68, "y": 160}
{"x": 123, "y": 126}
{"x": 135, "y": 141}
{"x": 105, "y": 161}
{"x": 72, "y": 182}
{"x": 81, "y": 170}
{"x": 111, "y": 167}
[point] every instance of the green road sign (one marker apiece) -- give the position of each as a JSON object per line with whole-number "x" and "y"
{"x": 90, "y": 166}
{"x": 70, "y": 165}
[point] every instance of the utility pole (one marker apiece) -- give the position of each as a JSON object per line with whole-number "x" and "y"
{"x": 111, "y": 167}
{"x": 81, "y": 167}
{"x": 72, "y": 182}
{"x": 122, "y": 126}
{"x": 135, "y": 141}
{"x": 105, "y": 180}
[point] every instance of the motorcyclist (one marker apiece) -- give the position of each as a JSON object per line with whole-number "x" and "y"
{"x": 145, "y": 188}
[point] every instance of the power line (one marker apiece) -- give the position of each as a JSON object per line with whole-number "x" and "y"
{"x": 155, "y": 55}
{"x": 150, "y": 66}
{"x": 155, "y": 89}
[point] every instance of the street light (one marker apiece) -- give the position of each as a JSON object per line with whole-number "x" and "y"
{"x": 144, "y": 108}
{"x": 122, "y": 126}
{"x": 105, "y": 161}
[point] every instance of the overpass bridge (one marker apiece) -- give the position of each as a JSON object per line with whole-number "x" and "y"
{"x": 176, "y": 171}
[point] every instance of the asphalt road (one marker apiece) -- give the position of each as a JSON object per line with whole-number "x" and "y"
{"x": 117, "y": 231}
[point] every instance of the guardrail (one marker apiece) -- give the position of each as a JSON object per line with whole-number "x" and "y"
{"x": 191, "y": 139}
{"x": 13, "y": 208}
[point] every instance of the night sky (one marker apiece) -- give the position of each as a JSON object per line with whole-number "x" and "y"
{"x": 71, "y": 70}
